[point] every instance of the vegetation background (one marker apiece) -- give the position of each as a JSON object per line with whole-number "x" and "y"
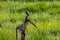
{"x": 44, "y": 13}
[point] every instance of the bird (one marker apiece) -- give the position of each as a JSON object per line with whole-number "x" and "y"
{"x": 22, "y": 27}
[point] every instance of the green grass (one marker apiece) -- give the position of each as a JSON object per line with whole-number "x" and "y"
{"x": 46, "y": 16}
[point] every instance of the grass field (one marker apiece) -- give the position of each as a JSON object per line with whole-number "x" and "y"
{"x": 46, "y": 16}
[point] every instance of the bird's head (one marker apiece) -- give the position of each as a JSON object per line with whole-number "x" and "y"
{"x": 27, "y": 13}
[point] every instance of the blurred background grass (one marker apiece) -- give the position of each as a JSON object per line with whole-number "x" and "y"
{"x": 45, "y": 14}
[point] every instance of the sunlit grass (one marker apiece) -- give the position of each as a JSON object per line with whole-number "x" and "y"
{"x": 46, "y": 16}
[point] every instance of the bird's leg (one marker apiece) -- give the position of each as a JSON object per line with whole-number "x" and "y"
{"x": 32, "y": 23}
{"x": 23, "y": 35}
{"x": 16, "y": 33}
